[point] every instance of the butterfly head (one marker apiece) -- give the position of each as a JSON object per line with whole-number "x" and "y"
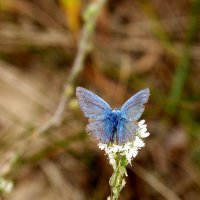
{"x": 116, "y": 111}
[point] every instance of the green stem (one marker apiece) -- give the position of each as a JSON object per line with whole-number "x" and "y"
{"x": 117, "y": 180}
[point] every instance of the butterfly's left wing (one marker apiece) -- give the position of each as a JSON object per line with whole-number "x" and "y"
{"x": 134, "y": 107}
{"x": 92, "y": 105}
{"x": 97, "y": 110}
{"x": 126, "y": 131}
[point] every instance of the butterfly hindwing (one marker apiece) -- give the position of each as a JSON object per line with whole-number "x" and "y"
{"x": 92, "y": 105}
{"x": 126, "y": 131}
{"x": 102, "y": 129}
{"x": 134, "y": 107}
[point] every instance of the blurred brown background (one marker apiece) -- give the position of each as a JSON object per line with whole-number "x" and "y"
{"x": 136, "y": 44}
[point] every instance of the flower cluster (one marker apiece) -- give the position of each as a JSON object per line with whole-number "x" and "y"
{"x": 129, "y": 149}
{"x": 5, "y": 185}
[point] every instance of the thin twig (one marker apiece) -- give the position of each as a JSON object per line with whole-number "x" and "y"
{"x": 91, "y": 15}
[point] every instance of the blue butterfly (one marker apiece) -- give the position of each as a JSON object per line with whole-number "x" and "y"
{"x": 116, "y": 126}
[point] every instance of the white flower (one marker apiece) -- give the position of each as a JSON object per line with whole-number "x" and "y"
{"x": 102, "y": 146}
{"x": 140, "y": 123}
{"x": 5, "y": 185}
{"x": 138, "y": 142}
{"x": 144, "y": 135}
{"x": 129, "y": 149}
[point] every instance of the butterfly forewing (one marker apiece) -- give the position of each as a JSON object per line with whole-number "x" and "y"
{"x": 92, "y": 105}
{"x": 134, "y": 107}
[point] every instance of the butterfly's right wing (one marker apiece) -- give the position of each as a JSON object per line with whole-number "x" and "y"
{"x": 92, "y": 105}
{"x": 130, "y": 112}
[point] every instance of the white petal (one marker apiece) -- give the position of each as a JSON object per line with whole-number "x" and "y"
{"x": 141, "y": 122}
{"x": 134, "y": 152}
{"x": 126, "y": 147}
{"x": 146, "y": 134}
{"x": 143, "y": 126}
{"x": 116, "y": 148}
{"x": 143, "y": 130}
{"x": 138, "y": 142}
{"x": 102, "y": 146}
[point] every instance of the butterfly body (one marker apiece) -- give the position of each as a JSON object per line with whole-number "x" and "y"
{"x": 114, "y": 117}
{"x": 118, "y": 125}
